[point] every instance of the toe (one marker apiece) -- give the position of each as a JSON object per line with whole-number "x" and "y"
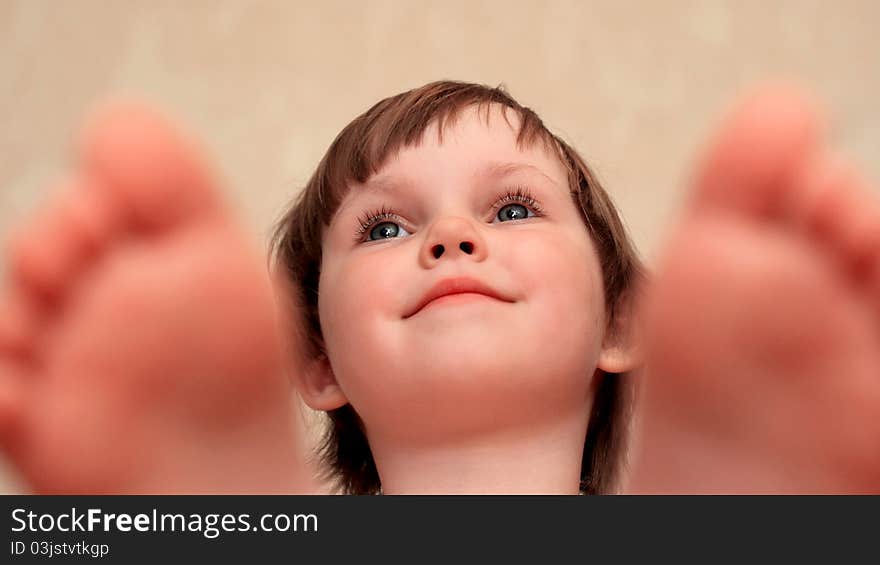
{"x": 840, "y": 212}
{"x": 12, "y": 384}
{"x": 39, "y": 255}
{"x": 51, "y": 250}
{"x": 19, "y": 321}
{"x": 145, "y": 162}
{"x": 17, "y": 329}
{"x": 760, "y": 146}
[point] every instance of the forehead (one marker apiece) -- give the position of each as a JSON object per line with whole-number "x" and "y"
{"x": 477, "y": 145}
{"x": 472, "y": 139}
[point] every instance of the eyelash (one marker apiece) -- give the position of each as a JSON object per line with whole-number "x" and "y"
{"x": 516, "y": 195}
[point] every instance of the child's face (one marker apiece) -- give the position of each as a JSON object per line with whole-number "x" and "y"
{"x": 467, "y": 361}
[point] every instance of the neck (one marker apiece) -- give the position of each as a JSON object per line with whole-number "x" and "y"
{"x": 535, "y": 460}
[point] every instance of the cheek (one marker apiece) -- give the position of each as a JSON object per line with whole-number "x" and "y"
{"x": 357, "y": 295}
{"x": 560, "y": 271}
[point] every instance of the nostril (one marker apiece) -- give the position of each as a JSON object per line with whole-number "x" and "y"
{"x": 466, "y": 246}
{"x": 437, "y": 251}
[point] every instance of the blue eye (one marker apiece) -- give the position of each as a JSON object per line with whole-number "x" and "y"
{"x": 386, "y": 230}
{"x": 380, "y": 224}
{"x": 513, "y": 212}
{"x": 517, "y": 204}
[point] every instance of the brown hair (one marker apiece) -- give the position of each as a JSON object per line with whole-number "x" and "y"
{"x": 357, "y": 153}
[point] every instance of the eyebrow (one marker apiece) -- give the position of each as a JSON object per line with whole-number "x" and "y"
{"x": 498, "y": 170}
{"x": 491, "y": 170}
{"x": 495, "y": 170}
{"x": 384, "y": 184}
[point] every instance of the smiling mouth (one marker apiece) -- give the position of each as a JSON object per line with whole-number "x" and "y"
{"x": 459, "y": 290}
{"x": 457, "y": 298}
{"x": 461, "y": 298}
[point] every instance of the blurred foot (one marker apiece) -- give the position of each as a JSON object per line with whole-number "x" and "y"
{"x": 139, "y": 345}
{"x": 763, "y": 321}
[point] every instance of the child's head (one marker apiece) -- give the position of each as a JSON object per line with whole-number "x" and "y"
{"x": 458, "y": 184}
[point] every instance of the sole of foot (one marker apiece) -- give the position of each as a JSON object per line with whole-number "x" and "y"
{"x": 762, "y": 323}
{"x": 140, "y": 346}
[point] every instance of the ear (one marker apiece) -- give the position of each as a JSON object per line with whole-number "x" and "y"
{"x": 317, "y": 385}
{"x": 621, "y": 347}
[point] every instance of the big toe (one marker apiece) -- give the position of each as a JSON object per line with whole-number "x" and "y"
{"x": 155, "y": 172}
{"x": 753, "y": 161}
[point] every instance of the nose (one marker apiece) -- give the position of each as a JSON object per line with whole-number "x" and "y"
{"x": 451, "y": 238}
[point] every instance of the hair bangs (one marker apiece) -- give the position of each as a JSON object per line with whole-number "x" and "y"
{"x": 362, "y": 148}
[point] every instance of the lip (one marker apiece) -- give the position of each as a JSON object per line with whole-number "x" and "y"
{"x": 457, "y": 285}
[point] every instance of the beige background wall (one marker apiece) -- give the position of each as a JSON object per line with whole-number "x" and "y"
{"x": 267, "y": 85}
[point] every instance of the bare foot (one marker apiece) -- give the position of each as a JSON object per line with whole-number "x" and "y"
{"x": 763, "y": 322}
{"x": 139, "y": 346}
